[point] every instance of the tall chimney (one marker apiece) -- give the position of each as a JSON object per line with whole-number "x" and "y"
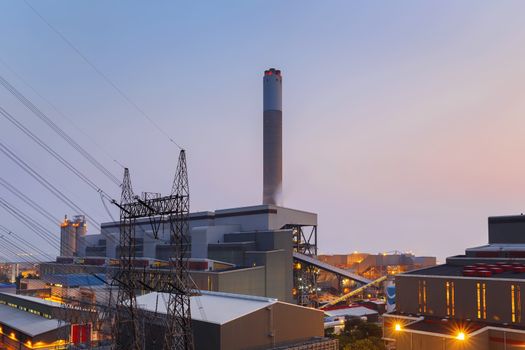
{"x": 273, "y": 137}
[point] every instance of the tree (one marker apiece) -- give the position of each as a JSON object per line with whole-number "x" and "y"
{"x": 372, "y": 343}
{"x": 360, "y": 335}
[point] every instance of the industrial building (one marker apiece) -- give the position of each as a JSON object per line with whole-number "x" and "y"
{"x": 264, "y": 250}
{"x": 252, "y": 252}
{"x": 252, "y": 265}
{"x": 474, "y": 301}
{"x": 28, "y": 323}
{"x": 219, "y": 321}
{"x": 232, "y": 321}
{"x": 373, "y": 266}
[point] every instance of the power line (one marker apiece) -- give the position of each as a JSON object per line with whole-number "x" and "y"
{"x": 36, "y": 227}
{"x": 22, "y": 256}
{"x": 57, "y": 193}
{"x": 30, "y": 223}
{"x": 102, "y": 75}
{"x": 28, "y": 201}
{"x": 61, "y": 114}
{"x": 42, "y": 116}
{"x": 40, "y": 179}
{"x": 52, "y": 152}
{"x": 23, "y": 240}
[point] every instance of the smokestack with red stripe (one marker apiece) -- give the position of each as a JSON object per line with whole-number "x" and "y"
{"x": 273, "y": 137}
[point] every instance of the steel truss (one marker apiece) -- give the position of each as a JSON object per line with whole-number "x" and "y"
{"x": 172, "y": 210}
{"x": 304, "y": 276}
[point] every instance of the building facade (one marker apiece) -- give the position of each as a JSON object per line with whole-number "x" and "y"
{"x": 257, "y": 244}
{"x": 474, "y": 301}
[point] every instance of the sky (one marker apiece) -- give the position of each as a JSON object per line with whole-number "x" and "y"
{"x": 403, "y": 120}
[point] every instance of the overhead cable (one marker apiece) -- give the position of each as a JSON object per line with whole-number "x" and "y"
{"x": 102, "y": 75}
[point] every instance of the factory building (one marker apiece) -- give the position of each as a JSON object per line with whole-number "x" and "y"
{"x": 251, "y": 249}
{"x": 373, "y": 266}
{"x": 219, "y": 321}
{"x": 263, "y": 250}
{"x": 72, "y": 236}
{"x": 232, "y": 321}
{"x": 473, "y": 302}
{"x": 31, "y": 323}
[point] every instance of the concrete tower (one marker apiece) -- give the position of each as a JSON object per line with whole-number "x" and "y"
{"x": 273, "y": 137}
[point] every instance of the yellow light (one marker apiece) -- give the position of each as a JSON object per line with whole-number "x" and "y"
{"x": 397, "y": 327}
{"x": 460, "y": 336}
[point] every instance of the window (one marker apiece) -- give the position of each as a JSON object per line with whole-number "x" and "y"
{"x": 481, "y": 294}
{"x": 451, "y": 299}
{"x": 422, "y": 296}
{"x": 515, "y": 303}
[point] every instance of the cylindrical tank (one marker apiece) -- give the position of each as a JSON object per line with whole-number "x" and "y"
{"x": 80, "y": 235}
{"x": 272, "y": 137}
{"x": 68, "y": 238}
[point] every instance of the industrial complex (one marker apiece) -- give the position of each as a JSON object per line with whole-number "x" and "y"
{"x": 162, "y": 277}
{"x": 243, "y": 278}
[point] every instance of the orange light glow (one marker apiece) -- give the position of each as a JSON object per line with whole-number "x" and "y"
{"x": 460, "y": 336}
{"x": 397, "y": 327}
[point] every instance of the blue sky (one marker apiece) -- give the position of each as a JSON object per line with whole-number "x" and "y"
{"x": 403, "y": 120}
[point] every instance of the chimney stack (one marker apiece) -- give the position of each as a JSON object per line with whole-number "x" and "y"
{"x": 273, "y": 137}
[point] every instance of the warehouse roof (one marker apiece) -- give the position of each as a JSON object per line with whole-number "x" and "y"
{"x": 354, "y": 311}
{"x": 25, "y": 322}
{"x": 32, "y": 299}
{"x": 213, "y": 307}
{"x": 457, "y": 271}
{"x": 73, "y": 280}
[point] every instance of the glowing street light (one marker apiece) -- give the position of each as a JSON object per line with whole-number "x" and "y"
{"x": 460, "y": 336}
{"x": 397, "y": 327}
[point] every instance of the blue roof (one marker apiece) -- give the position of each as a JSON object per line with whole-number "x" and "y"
{"x": 74, "y": 280}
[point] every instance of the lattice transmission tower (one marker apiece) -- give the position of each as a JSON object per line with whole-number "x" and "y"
{"x": 178, "y": 334}
{"x": 173, "y": 211}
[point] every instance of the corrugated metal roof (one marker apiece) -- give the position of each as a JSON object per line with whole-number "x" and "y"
{"x": 34, "y": 299}
{"x": 213, "y": 307}
{"x": 68, "y": 280}
{"x": 357, "y": 311}
{"x": 25, "y": 322}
